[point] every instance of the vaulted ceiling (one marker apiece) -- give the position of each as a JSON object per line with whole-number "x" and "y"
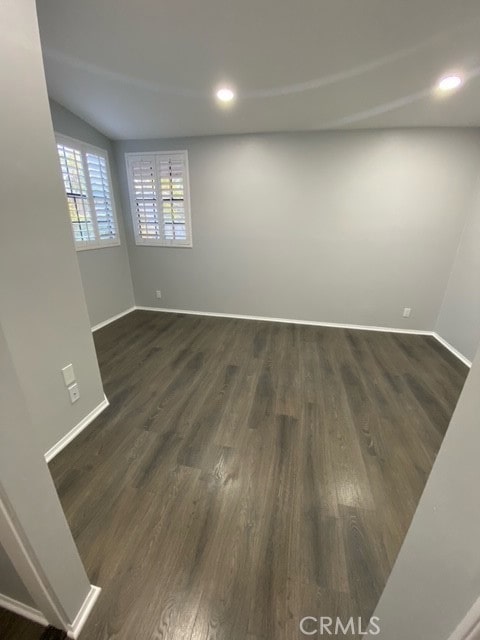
{"x": 149, "y": 68}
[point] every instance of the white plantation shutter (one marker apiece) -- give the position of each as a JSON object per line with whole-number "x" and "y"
{"x": 160, "y": 200}
{"x": 101, "y": 195}
{"x": 171, "y": 169}
{"x": 87, "y": 181}
{"x": 73, "y": 174}
{"x": 143, "y": 192}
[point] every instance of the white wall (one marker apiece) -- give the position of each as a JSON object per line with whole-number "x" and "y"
{"x": 347, "y": 227}
{"x": 105, "y": 272}
{"x": 436, "y": 577}
{"x": 42, "y": 310}
{"x": 459, "y": 318}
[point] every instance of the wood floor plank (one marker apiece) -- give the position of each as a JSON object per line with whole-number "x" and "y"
{"x": 14, "y": 627}
{"x": 249, "y": 473}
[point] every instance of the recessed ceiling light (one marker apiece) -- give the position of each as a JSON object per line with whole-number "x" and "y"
{"x": 449, "y": 83}
{"x": 225, "y": 94}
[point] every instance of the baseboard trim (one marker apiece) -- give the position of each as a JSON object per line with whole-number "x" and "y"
{"x": 76, "y": 627}
{"x": 73, "y": 433}
{"x": 100, "y": 325}
{"x": 315, "y": 323}
{"x": 469, "y": 627}
{"x": 455, "y": 352}
{"x": 23, "y": 610}
{"x": 30, "y": 613}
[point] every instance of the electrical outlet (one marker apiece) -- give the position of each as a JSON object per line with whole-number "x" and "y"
{"x": 159, "y": 294}
{"x": 74, "y": 392}
{"x": 406, "y": 312}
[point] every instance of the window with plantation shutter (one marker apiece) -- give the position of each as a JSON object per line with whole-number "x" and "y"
{"x": 160, "y": 199}
{"x": 86, "y": 177}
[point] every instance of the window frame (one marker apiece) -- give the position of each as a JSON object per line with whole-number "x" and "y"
{"x": 84, "y": 148}
{"x": 160, "y": 242}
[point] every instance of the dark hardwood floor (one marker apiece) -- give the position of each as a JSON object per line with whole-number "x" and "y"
{"x": 14, "y": 627}
{"x": 248, "y": 474}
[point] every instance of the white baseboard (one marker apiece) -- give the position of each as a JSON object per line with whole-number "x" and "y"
{"x": 314, "y": 323}
{"x": 112, "y": 319}
{"x": 455, "y": 352}
{"x": 469, "y": 627}
{"x": 76, "y": 627}
{"x": 73, "y": 433}
{"x": 23, "y": 610}
{"x": 36, "y": 616}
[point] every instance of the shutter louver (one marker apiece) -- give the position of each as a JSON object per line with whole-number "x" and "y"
{"x": 159, "y": 196}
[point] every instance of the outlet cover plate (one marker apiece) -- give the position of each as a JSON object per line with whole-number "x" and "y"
{"x": 68, "y": 375}
{"x": 74, "y": 392}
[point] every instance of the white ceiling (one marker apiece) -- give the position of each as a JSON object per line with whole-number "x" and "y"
{"x": 148, "y": 68}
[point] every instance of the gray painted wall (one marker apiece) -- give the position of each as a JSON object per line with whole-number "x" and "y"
{"x": 459, "y": 318}
{"x": 105, "y": 272}
{"x": 436, "y": 577}
{"x": 28, "y": 495}
{"x": 347, "y": 227}
{"x": 43, "y": 310}
{"x": 11, "y": 584}
{"x": 43, "y": 320}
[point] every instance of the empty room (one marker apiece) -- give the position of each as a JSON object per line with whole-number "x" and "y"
{"x": 239, "y": 320}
